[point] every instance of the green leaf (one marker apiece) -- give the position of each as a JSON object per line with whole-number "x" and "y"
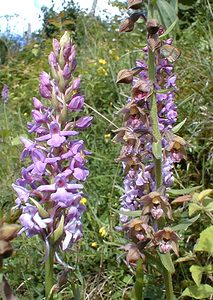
{"x": 127, "y": 279}
{"x": 174, "y": 4}
{"x": 59, "y": 230}
{"x": 197, "y": 272}
{"x": 176, "y": 128}
{"x": 209, "y": 206}
{"x": 204, "y": 194}
{"x": 183, "y": 191}
{"x": 42, "y": 212}
{"x": 136, "y": 213}
{"x": 157, "y": 149}
{"x": 205, "y": 243}
{"x": 76, "y": 291}
{"x": 164, "y": 91}
{"x": 168, "y": 29}
{"x": 138, "y": 287}
{"x": 198, "y": 292}
{"x": 193, "y": 208}
{"x": 185, "y": 224}
{"x": 165, "y": 13}
{"x": 167, "y": 262}
{"x": 189, "y": 257}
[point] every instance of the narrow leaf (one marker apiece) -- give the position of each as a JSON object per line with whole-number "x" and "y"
{"x": 59, "y": 230}
{"x": 176, "y": 128}
{"x": 169, "y": 29}
{"x": 185, "y": 224}
{"x": 42, "y": 212}
{"x": 136, "y": 213}
{"x": 165, "y": 13}
{"x": 139, "y": 281}
{"x": 204, "y": 194}
{"x": 167, "y": 262}
{"x": 183, "y": 191}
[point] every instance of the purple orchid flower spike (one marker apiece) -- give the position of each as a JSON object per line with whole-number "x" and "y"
{"x": 5, "y": 93}
{"x": 50, "y": 189}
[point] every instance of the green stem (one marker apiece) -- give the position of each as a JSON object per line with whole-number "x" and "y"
{"x": 154, "y": 118}
{"x": 49, "y": 274}
{"x": 157, "y": 139}
{"x": 168, "y": 285}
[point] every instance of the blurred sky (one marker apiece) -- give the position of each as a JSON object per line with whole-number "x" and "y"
{"x": 22, "y": 12}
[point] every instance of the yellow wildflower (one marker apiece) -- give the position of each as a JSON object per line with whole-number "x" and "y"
{"x": 102, "y": 61}
{"x": 83, "y": 201}
{"x": 115, "y": 57}
{"x": 107, "y": 137}
{"x": 113, "y": 54}
{"x": 103, "y": 232}
{"x": 94, "y": 245}
{"x": 102, "y": 71}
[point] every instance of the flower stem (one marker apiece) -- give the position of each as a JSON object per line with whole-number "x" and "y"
{"x": 157, "y": 139}
{"x": 154, "y": 118}
{"x": 168, "y": 285}
{"x": 49, "y": 274}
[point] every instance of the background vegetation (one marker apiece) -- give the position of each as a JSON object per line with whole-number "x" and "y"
{"x": 101, "y": 53}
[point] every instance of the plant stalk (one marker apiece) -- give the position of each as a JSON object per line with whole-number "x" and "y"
{"x": 168, "y": 285}
{"x": 154, "y": 118}
{"x": 157, "y": 139}
{"x": 49, "y": 274}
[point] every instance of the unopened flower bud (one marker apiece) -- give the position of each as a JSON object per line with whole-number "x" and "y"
{"x": 84, "y": 122}
{"x": 126, "y": 26}
{"x": 76, "y": 103}
{"x": 152, "y": 26}
{"x": 134, "y": 4}
{"x": 125, "y": 76}
{"x": 45, "y": 87}
{"x": 56, "y": 47}
{"x": 66, "y": 72}
{"x": 52, "y": 59}
{"x": 37, "y": 103}
{"x": 65, "y": 39}
{"x": 76, "y": 84}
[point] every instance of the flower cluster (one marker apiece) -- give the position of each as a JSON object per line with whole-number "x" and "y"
{"x": 136, "y": 135}
{"x": 5, "y": 94}
{"x": 50, "y": 191}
